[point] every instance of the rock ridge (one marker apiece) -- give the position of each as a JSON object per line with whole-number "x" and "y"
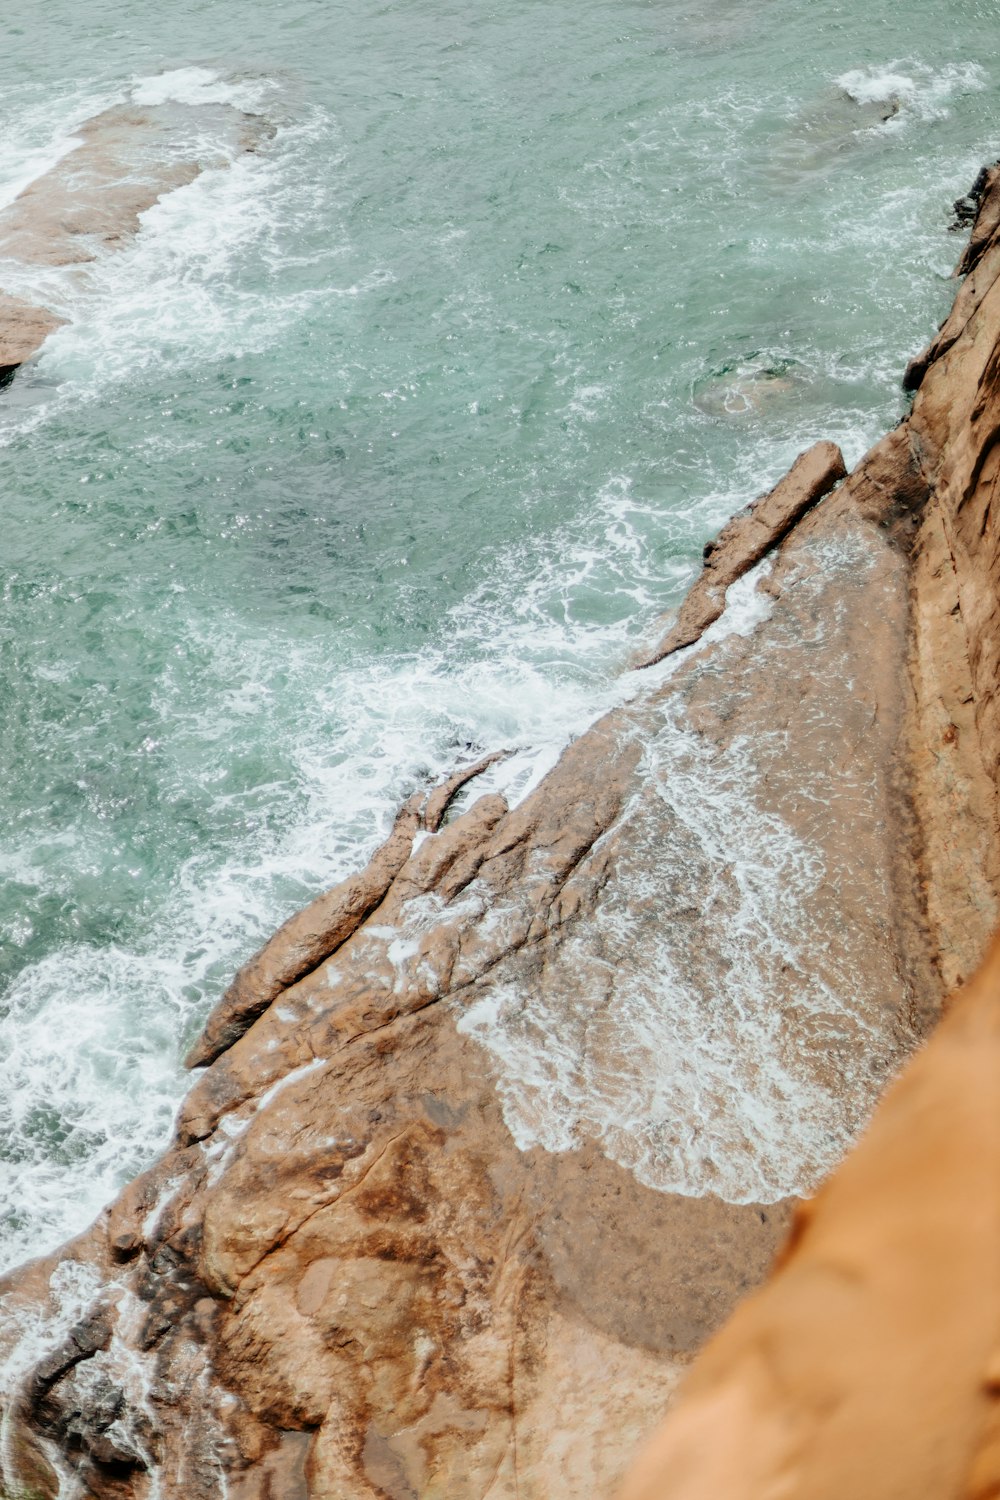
{"x": 747, "y": 539}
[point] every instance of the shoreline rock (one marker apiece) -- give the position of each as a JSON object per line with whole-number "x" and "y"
{"x": 23, "y": 331}
{"x": 494, "y": 1136}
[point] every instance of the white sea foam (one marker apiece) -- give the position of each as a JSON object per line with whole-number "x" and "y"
{"x": 169, "y": 297}
{"x": 916, "y": 88}
{"x": 196, "y": 86}
{"x": 19, "y": 169}
{"x": 39, "y": 135}
{"x": 89, "y": 1041}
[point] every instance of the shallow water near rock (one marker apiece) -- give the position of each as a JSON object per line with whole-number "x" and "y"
{"x": 383, "y": 446}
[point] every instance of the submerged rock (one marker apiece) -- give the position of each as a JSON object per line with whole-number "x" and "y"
{"x": 490, "y": 1139}
{"x": 90, "y": 202}
{"x": 747, "y": 386}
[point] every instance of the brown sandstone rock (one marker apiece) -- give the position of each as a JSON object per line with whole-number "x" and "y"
{"x": 307, "y": 938}
{"x": 314, "y": 934}
{"x": 439, "y": 800}
{"x": 987, "y": 219}
{"x": 978, "y": 279}
{"x": 865, "y": 1368}
{"x": 870, "y": 1364}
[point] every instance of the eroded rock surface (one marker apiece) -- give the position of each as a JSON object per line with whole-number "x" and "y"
{"x": 490, "y": 1139}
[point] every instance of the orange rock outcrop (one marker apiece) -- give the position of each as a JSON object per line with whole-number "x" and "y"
{"x": 869, "y": 1366}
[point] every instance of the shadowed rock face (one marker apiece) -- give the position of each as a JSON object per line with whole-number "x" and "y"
{"x": 870, "y": 1364}
{"x": 90, "y": 202}
{"x": 488, "y": 1140}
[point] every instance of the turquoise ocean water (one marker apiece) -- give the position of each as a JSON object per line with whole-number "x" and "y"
{"x": 386, "y": 445}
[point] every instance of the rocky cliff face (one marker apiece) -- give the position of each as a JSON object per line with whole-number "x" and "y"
{"x": 486, "y": 1142}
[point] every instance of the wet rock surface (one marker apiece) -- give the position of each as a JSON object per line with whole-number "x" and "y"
{"x": 490, "y": 1139}
{"x": 833, "y": 1380}
{"x": 23, "y": 330}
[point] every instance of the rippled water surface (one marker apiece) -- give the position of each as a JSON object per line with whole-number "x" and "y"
{"x": 388, "y": 442}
